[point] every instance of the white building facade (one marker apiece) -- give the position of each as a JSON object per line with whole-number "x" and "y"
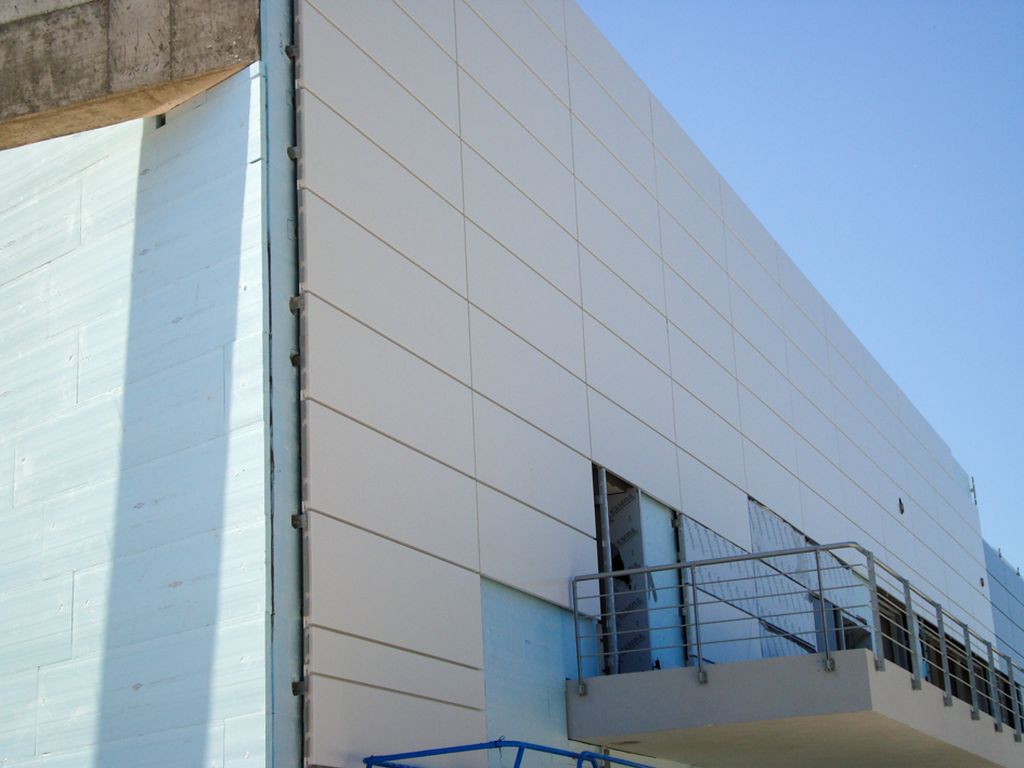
{"x": 333, "y": 407}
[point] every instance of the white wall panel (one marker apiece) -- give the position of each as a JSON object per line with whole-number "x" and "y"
{"x": 605, "y": 175}
{"x": 357, "y": 660}
{"x": 552, "y": 12}
{"x": 525, "y": 463}
{"x": 695, "y": 317}
{"x": 487, "y": 58}
{"x": 525, "y": 33}
{"x": 757, "y": 327}
{"x": 353, "y": 270}
{"x": 767, "y": 429}
{"x": 611, "y": 126}
{"x": 622, "y": 375}
{"x": 707, "y": 436}
{"x": 514, "y": 374}
{"x": 678, "y": 148}
{"x": 530, "y": 551}
{"x": 365, "y": 478}
{"x": 358, "y": 178}
{"x": 359, "y": 708}
{"x": 823, "y": 521}
{"x": 400, "y": 46}
{"x": 818, "y": 473}
{"x": 438, "y": 598}
{"x": 369, "y": 98}
{"x": 693, "y": 264}
{"x": 497, "y": 136}
{"x": 519, "y": 224}
{"x": 523, "y": 301}
{"x": 616, "y": 305}
{"x": 772, "y": 484}
{"x": 591, "y": 48}
{"x": 809, "y": 380}
{"x": 713, "y": 501}
{"x": 704, "y": 377}
{"x": 815, "y": 427}
{"x": 801, "y": 331}
{"x": 753, "y": 234}
{"x": 359, "y": 373}
{"x": 759, "y": 376}
{"x": 690, "y": 210}
{"x": 633, "y": 449}
{"x": 606, "y": 236}
{"x": 753, "y": 278}
{"x": 799, "y": 289}
{"x": 436, "y": 19}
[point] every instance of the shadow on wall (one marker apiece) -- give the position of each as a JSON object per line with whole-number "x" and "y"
{"x": 182, "y": 676}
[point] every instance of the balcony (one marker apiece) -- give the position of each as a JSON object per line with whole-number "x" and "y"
{"x": 814, "y": 656}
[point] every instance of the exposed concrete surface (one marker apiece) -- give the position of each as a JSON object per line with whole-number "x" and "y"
{"x": 73, "y": 65}
{"x": 787, "y": 712}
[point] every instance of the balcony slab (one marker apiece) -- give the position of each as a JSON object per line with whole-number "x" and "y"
{"x": 785, "y": 712}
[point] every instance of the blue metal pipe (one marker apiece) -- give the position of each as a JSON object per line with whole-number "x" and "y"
{"x": 521, "y": 747}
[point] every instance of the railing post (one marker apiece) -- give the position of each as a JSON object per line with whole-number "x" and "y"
{"x": 581, "y": 687}
{"x": 829, "y": 662}
{"x": 1015, "y": 700}
{"x": 993, "y": 687}
{"x": 912, "y": 639}
{"x": 876, "y": 618}
{"x": 975, "y": 713}
{"x": 702, "y": 675}
{"x": 947, "y": 683}
{"x": 609, "y": 621}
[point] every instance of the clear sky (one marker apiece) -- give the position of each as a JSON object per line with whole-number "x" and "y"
{"x": 882, "y": 143}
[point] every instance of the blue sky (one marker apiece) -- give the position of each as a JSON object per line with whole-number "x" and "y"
{"x": 882, "y": 144}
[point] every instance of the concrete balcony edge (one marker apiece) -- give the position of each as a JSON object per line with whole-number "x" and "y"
{"x": 784, "y": 712}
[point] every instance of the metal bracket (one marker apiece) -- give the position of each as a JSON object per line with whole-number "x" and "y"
{"x": 294, "y": 153}
{"x": 294, "y": 357}
{"x": 702, "y": 676}
{"x": 299, "y": 687}
{"x": 581, "y": 689}
{"x": 296, "y": 304}
{"x": 299, "y": 521}
{"x": 829, "y": 664}
{"x": 291, "y": 51}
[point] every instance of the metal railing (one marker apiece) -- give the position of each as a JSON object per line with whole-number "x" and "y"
{"x": 807, "y": 600}
{"x": 592, "y": 759}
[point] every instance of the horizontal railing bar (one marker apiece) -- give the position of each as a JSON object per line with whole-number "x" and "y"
{"x": 720, "y": 560}
{"x": 777, "y": 574}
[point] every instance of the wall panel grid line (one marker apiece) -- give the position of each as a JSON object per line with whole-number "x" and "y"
{"x": 453, "y": 468}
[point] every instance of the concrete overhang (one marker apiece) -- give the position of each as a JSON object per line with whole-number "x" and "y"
{"x": 785, "y": 712}
{"x": 73, "y": 65}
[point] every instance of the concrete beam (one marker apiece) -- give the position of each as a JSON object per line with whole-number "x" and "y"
{"x": 73, "y": 65}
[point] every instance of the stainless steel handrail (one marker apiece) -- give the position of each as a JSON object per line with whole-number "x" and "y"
{"x": 904, "y": 624}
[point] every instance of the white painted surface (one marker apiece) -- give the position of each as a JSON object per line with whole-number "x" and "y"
{"x": 517, "y": 264}
{"x": 133, "y": 544}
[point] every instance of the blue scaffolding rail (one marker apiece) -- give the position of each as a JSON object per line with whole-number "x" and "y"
{"x": 521, "y": 747}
